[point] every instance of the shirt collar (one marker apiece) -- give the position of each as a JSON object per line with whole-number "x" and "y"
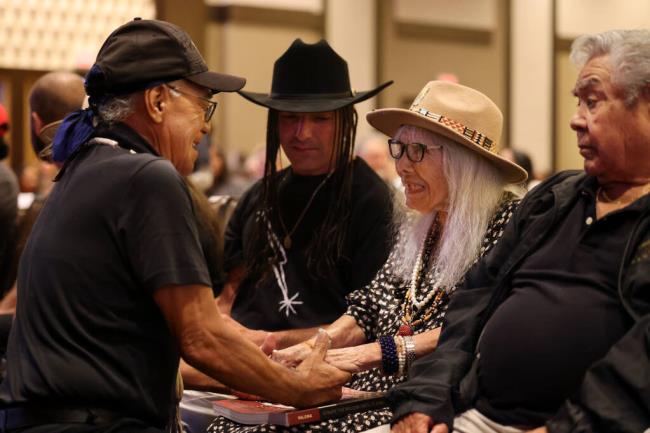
{"x": 126, "y": 137}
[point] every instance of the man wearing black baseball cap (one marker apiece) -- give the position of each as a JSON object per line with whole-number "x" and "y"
{"x": 113, "y": 285}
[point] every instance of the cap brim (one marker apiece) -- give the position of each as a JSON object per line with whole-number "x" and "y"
{"x": 389, "y": 120}
{"x": 217, "y": 82}
{"x": 310, "y": 105}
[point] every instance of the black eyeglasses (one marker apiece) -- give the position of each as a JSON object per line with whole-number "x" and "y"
{"x": 414, "y": 151}
{"x": 208, "y": 111}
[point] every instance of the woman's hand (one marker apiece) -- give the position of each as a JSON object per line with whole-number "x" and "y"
{"x": 292, "y": 356}
{"x": 355, "y": 359}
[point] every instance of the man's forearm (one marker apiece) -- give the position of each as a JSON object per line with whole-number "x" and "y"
{"x": 344, "y": 332}
{"x": 289, "y": 337}
{"x": 194, "y": 379}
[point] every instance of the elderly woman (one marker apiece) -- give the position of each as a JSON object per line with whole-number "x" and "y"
{"x": 445, "y": 151}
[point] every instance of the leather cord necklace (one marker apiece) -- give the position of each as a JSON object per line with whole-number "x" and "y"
{"x": 286, "y": 241}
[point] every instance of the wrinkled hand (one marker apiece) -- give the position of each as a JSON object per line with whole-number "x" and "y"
{"x": 292, "y": 356}
{"x": 321, "y": 382}
{"x": 255, "y": 336}
{"x": 269, "y": 344}
{"x": 355, "y": 359}
{"x": 418, "y": 422}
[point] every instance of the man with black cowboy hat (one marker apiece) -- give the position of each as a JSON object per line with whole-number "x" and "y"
{"x": 113, "y": 284}
{"x": 304, "y": 237}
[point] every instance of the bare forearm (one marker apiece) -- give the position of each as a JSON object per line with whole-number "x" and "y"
{"x": 194, "y": 379}
{"x": 290, "y": 337}
{"x": 344, "y": 332}
{"x": 242, "y": 366}
{"x": 218, "y": 350}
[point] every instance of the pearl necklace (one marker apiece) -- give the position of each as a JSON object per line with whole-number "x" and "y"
{"x": 424, "y": 256}
{"x": 411, "y": 304}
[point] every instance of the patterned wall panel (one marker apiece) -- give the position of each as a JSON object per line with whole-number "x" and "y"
{"x": 61, "y": 34}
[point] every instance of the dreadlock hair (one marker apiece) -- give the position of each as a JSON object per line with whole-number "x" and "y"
{"x": 327, "y": 243}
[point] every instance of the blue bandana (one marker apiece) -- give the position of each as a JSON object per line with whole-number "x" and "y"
{"x": 75, "y": 130}
{"x": 77, "y": 127}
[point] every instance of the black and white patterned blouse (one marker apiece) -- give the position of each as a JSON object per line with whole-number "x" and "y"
{"x": 377, "y": 309}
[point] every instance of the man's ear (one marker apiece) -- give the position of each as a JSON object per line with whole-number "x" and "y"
{"x": 37, "y": 122}
{"x": 155, "y": 100}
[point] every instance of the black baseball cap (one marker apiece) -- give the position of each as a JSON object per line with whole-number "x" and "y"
{"x": 142, "y": 53}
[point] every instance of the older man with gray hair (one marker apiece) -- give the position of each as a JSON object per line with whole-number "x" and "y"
{"x": 551, "y": 330}
{"x": 113, "y": 284}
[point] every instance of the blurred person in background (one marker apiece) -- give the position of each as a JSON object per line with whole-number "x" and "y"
{"x": 374, "y": 150}
{"x": 224, "y": 180}
{"x": 8, "y": 222}
{"x": 522, "y": 159}
{"x": 51, "y": 98}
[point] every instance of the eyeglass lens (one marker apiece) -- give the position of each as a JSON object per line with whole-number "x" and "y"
{"x": 414, "y": 151}
{"x": 207, "y": 111}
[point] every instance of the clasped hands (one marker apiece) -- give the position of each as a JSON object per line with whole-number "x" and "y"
{"x": 350, "y": 359}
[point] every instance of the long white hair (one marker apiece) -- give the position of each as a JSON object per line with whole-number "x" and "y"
{"x": 475, "y": 189}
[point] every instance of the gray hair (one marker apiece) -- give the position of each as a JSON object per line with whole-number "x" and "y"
{"x": 629, "y": 56}
{"x": 475, "y": 190}
{"x": 116, "y": 109}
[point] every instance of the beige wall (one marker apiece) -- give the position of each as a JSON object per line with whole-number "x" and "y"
{"x": 566, "y": 148}
{"x": 573, "y": 18}
{"x": 531, "y": 81}
{"x": 351, "y": 30}
{"x": 414, "y": 53}
{"x": 474, "y": 14}
{"x": 247, "y": 49}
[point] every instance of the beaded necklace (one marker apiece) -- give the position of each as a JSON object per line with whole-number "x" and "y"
{"x": 412, "y": 306}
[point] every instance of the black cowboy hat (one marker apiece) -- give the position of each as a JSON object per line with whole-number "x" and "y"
{"x": 310, "y": 78}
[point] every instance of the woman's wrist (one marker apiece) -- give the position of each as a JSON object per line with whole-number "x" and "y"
{"x": 371, "y": 356}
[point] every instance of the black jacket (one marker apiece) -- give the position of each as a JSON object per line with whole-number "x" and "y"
{"x": 615, "y": 393}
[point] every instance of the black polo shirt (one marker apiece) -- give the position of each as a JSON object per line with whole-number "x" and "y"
{"x": 118, "y": 226}
{"x": 562, "y": 314}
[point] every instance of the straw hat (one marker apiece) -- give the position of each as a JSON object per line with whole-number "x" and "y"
{"x": 460, "y": 113}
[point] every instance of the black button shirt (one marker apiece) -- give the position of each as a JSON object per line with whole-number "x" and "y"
{"x": 562, "y": 315}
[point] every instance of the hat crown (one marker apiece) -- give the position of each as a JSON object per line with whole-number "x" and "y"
{"x": 461, "y": 105}
{"x": 310, "y": 69}
{"x": 140, "y": 52}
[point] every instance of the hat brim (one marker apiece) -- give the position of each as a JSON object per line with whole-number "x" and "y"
{"x": 217, "y": 82}
{"x": 299, "y": 104}
{"x": 389, "y": 120}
